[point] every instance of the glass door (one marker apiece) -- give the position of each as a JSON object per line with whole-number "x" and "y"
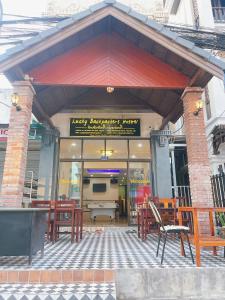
{"x": 70, "y": 181}
{"x": 139, "y": 184}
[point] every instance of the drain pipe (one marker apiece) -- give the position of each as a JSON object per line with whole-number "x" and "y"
{"x": 195, "y": 14}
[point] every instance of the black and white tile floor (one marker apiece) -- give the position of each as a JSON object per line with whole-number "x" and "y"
{"x": 57, "y": 292}
{"x": 110, "y": 248}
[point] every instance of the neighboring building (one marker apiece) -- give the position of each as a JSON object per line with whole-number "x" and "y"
{"x": 210, "y": 15}
{"x": 5, "y": 105}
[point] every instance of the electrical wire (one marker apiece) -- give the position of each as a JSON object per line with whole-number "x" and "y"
{"x": 5, "y": 104}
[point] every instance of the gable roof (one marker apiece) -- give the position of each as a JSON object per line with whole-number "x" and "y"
{"x": 190, "y": 47}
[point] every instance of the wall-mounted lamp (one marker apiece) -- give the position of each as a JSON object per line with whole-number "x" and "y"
{"x": 110, "y": 89}
{"x": 199, "y": 107}
{"x": 15, "y": 101}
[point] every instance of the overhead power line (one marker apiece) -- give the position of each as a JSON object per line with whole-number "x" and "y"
{"x": 16, "y": 30}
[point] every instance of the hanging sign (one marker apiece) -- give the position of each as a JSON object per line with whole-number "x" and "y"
{"x": 104, "y": 127}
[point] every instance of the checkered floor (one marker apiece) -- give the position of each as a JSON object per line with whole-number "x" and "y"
{"x": 110, "y": 248}
{"x": 58, "y": 291}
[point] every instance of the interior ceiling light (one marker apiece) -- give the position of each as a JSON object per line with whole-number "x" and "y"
{"x": 140, "y": 145}
{"x": 110, "y": 89}
{"x": 107, "y": 152}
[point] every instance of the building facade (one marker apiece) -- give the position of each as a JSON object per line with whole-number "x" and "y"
{"x": 206, "y": 15}
{"x": 103, "y": 83}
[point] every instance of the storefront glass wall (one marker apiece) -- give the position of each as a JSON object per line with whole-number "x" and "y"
{"x": 135, "y": 153}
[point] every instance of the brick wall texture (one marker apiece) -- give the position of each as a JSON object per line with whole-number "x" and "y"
{"x": 11, "y": 194}
{"x": 197, "y": 150}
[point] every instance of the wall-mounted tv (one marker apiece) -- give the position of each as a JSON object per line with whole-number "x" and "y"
{"x": 99, "y": 187}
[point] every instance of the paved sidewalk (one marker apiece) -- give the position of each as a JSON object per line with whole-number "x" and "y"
{"x": 111, "y": 248}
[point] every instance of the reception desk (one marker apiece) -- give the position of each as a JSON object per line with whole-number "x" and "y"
{"x": 22, "y": 231}
{"x": 102, "y": 209}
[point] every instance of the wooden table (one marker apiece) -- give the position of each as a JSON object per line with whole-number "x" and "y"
{"x": 203, "y": 240}
{"x": 78, "y": 212}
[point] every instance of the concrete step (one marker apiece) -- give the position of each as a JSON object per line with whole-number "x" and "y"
{"x": 82, "y": 291}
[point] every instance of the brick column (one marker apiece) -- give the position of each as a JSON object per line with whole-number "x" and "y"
{"x": 17, "y": 144}
{"x": 197, "y": 150}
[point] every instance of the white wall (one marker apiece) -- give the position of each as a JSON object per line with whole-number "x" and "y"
{"x": 111, "y": 194}
{"x": 205, "y": 13}
{"x": 5, "y": 104}
{"x": 184, "y": 14}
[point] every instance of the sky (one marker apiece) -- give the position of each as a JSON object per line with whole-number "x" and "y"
{"x": 25, "y": 8}
{"x": 37, "y": 7}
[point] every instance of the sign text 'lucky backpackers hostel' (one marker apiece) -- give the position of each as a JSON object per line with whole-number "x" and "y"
{"x": 104, "y": 127}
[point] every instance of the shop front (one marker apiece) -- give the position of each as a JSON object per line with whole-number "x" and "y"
{"x": 105, "y": 162}
{"x": 103, "y": 81}
{"x": 112, "y": 171}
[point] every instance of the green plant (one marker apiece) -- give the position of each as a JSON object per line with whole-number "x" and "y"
{"x": 222, "y": 219}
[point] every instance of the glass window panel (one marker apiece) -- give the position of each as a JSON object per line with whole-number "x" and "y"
{"x": 139, "y": 149}
{"x": 140, "y": 186}
{"x": 117, "y": 149}
{"x": 93, "y": 149}
{"x": 70, "y": 181}
{"x": 70, "y": 148}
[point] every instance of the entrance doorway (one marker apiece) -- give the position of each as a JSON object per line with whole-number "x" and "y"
{"x": 104, "y": 193}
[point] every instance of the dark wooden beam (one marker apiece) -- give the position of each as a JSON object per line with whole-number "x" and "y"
{"x": 41, "y": 111}
{"x": 174, "y": 112}
{"x": 199, "y": 74}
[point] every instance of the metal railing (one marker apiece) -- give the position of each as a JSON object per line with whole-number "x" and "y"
{"x": 30, "y": 187}
{"x": 218, "y": 189}
{"x": 182, "y": 191}
{"x": 219, "y": 14}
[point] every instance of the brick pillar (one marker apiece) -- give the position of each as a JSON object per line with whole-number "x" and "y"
{"x": 197, "y": 150}
{"x": 17, "y": 144}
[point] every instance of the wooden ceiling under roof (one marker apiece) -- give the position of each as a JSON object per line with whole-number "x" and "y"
{"x": 109, "y": 60}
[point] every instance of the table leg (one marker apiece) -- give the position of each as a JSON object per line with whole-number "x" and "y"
{"x": 196, "y": 238}
{"x": 142, "y": 226}
{"x": 138, "y": 223}
{"x": 77, "y": 225}
{"x": 198, "y": 256}
{"x": 81, "y": 225}
{"x": 212, "y": 229}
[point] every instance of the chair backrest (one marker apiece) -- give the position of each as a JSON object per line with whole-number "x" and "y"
{"x": 168, "y": 202}
{"x": 41, "y": 204}
{"x": 156, "y": 213}
{"x": 65, "y": 205}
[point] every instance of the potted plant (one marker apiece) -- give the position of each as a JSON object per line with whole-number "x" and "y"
{"x": 221, "y": 230}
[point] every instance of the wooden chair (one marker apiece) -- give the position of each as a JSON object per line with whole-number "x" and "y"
{"x": 203, "y": 240}
{"x": 50, "y": 218}
{"x": 187, "y": 218}
{"x": 145, "y": 219}
{"x": 64, "y": 216}
{"x": 168, "y": 210}
{"x": 164, "y": 231}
